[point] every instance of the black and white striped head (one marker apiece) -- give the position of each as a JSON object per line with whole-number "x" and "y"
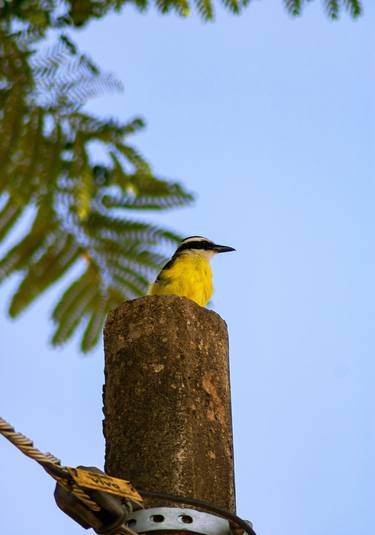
{"x": 202, "y": 246}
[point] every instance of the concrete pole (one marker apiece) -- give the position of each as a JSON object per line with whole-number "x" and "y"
{"x": 167, "y": 399}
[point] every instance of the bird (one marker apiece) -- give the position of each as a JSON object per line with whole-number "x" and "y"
{"x": 188, "y": 273}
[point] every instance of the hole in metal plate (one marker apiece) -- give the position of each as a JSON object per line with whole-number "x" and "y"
{"x": 157, "y": 518}
{"x": 186, "y": 519}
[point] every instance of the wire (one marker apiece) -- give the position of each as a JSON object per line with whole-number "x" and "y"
{"x": 49, "y": 462}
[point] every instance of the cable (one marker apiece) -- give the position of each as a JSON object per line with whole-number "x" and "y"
{"x": 50, "y": 463}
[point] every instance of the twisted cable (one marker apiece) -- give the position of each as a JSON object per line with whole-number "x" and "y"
{"x": 50, "y": 463}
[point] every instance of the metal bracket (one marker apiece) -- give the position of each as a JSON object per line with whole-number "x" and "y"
{"x": 177, "y": 519}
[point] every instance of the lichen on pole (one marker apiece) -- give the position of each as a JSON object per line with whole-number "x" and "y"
{"x": 167, "y": 399}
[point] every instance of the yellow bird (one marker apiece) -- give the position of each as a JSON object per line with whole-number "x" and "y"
{"x": 188, "y": 273}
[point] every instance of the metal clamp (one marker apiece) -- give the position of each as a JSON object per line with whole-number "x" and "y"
{"x": 177, "y": 519}
{"x": 110, "y": 516}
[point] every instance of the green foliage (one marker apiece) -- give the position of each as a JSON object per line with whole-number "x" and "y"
{"x": 80, "y": 208}
{"x": 41, "y": 16}
{"x": 333, "y": 7}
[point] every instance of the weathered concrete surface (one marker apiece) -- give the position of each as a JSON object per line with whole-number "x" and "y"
{"x": 167, "y": 399}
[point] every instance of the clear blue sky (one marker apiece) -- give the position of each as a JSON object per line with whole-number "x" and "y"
{"x": 271, "y": 121}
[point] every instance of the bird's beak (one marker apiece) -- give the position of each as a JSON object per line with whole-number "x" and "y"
{"x": 222, "y": 249}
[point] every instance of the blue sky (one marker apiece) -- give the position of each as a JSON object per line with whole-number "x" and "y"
{"x": 270, "y": 120}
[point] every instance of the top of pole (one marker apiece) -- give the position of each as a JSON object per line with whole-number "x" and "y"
{"x": 167, "y": 399}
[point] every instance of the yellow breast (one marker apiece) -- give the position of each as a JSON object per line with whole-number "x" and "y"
{"x": 188, "y": 275}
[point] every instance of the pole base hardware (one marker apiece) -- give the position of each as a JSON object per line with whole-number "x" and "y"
{"x": 177, "y": 519}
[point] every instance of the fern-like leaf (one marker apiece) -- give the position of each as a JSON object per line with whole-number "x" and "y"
{"x": 294, "y": 7}
{"x": 233, "y": 5}
{"x": 205, "y": 9}
{"x": 333, "y": 8}
{"x": 354, "y": 7}
{"x": 95, "y": 323}
{"x": 55, "y": 260}
{"x": 9, "y": 216}
{"x": 47, "y": 167}
{"x": 23, "y": 254}
{"x": 39, "y": 17}
{"x": 134, "y": 157}
{"x": 74, "y": 305}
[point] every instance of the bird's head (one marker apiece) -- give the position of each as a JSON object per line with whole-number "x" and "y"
{"x": 201, "y": 246}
